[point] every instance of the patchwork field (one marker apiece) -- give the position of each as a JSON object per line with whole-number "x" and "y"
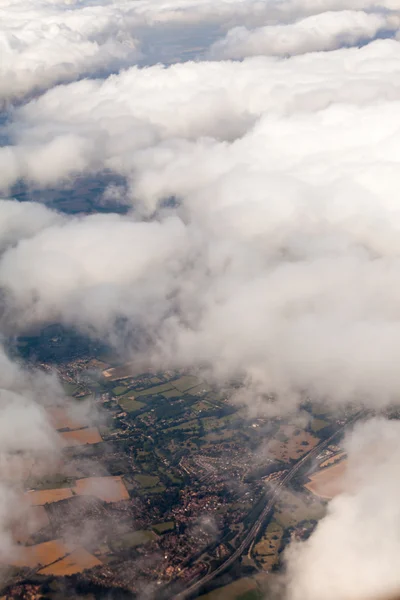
{"x": 328, "y": 482}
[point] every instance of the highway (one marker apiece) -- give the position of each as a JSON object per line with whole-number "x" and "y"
{"x": 254, "y": 530}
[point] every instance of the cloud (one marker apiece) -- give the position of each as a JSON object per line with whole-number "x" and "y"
{"x": 352, "y": 554}
{"x": 321, "y": 32}
{"x": 29, "y": 446}
{"x": 279, "y": 258}
{"x": 172, "y": 116}
{"x": 45, "y": 43}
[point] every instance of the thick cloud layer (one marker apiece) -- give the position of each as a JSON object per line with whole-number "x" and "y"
{"x": 279, "y": 259}
{"x": 147, "y": 120}
{"x": 43, "y": 42}
{"x": 324, "y": 31}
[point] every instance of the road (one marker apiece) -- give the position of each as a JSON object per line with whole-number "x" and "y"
{"x": 254, "y": 530}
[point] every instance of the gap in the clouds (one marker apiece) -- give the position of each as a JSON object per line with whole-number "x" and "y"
{"x": 55, "y": 344}
{"x": 168, "y": 44}
{"x": 381, "y": 35}
{"x": 101, "y": 193}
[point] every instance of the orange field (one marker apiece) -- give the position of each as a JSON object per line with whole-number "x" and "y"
{"x": 39, "y": 554}
{"x": 328, "y": 482}
{"x": 76, "y": 562}
{"x": 80, "y": 437}
{"x": 41, "y": 497}
{"x": 35, "y": 519}
{"x": 108, "y": 489}
{"x": 60, "y": 419}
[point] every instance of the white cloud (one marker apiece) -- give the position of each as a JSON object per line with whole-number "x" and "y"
{"x": 44, "y": 43}
{"x": 89, "y": 125}
{"x": 28, "y": 443}
{"x": 353, "y": 553}
{"x": 321, "y": 32}
{"x": 280, "y": 260}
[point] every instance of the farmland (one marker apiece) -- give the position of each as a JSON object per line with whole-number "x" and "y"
{"x": 293, "y": 508}
{"x": 168, "y": 484}
{"x": 61, "y": 419}
{"x": 77, "y": 561}
{"x": 108, "y": 489}
{"x": 129, "y": 404}
{"x": 41, "y": 497}
{"x": 266, "y": 550}
{"x": 133, "y": 539}
{"x": 291, "y": 443}
{"x": 164, "y": 527}
{"x": 242, "y": 589}
{"x": 39, "y": 554}
{"x": 80, "y": 437}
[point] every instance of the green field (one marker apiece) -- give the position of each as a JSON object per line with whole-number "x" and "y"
{"x": 70, "y": 388}
{"x": 172, "y": 394}
{"x": 156, "y": 389}
{"x": 194, "y": 424}
{"x": 147, "y": 481}
{"x": 132, "y": 539}
{"x": 318, "y": 424}
{"x": 130, "y": 404}
{"x": 202, "y": 388}
{"x": 119, "y": 390}
{"x": 185, "y": 383}
{"x": 159, "y": 489}
{"x": 164, "y": 527}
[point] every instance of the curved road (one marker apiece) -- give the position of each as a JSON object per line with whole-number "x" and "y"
{"x": 253, "y": 531}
